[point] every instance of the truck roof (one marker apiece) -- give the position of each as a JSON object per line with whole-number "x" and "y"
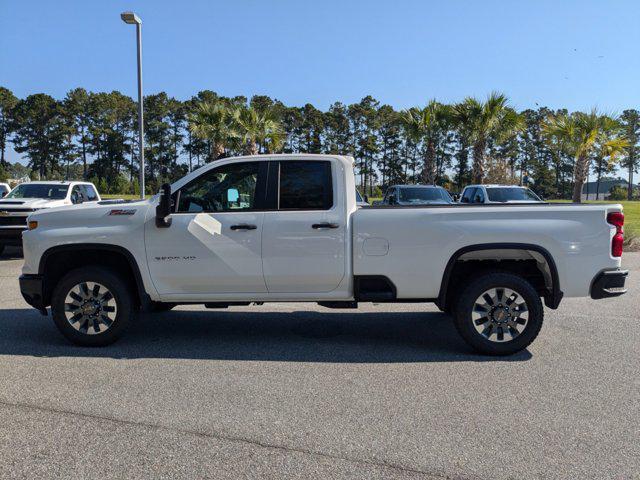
{"x": 348, "y": 161}
{"x": 58, "y": 182}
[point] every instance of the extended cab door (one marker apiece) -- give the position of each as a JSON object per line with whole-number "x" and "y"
{"x": 303, "y": 240}
{"x": 213, "y": 244}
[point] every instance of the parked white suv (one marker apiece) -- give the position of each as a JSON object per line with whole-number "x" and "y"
{"x": 286, "y": 228}
{"x": 29, "y": 197}
{"x": 498, "y": 194}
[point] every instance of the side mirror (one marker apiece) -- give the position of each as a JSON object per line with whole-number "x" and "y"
{"x": 366, "y": 198}
{"x": 163, "y": 210}
{"x": 392, "y": 200}
{"x": 233, "y": 195}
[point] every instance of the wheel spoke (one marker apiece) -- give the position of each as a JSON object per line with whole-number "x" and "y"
{"x": 488, "y": 299}
{"x": 488, "y": 330}
{"x": 481, "y": 321}
{"x": 106, "y": 321}
{"x": 106, "y": 297}
{"x": 84, "y": 289}
{"x": 513, "y": 331}
{"x": 96, "y": 290}
{"x": 499, "y": 294}
{"x": 75, "y": 296}
{"x": 500, "y": 334}
{"x": 480, "y": 308}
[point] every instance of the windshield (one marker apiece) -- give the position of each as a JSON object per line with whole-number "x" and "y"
{"x": 424, "y": 195}
{"x": 511, "y": 194}
{"x": 39, "y": 190}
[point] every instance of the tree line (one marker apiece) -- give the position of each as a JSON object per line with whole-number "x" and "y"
{"x": 94, "y": 136}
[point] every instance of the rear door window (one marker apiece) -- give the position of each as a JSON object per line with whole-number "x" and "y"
{"x": 305, "y": 185}
{"x": 90, "y": 193}
{"x": 478, "y": 196}
{"x": 467, "y": 195}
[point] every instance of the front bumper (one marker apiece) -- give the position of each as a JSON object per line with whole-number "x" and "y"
{"x": 11, "y": 236}
{"x": 32, "y": 290}
{"x": 609, "y": 283}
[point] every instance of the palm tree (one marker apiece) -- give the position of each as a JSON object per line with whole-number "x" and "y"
{"x": 490, "y": 119}
{"x": 257, "y": 130}
{"x": 430, "y": 125}
{"x": 212, "y": 121}
{"x": 611, "y": 143}
{"x": 586, "y": 135}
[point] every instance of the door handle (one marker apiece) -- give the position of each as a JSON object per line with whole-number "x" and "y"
{"x": 243, "y": 226}
{"x": 318, "y": 226}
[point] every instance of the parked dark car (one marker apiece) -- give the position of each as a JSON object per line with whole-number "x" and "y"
{"x": 416, "y": 195}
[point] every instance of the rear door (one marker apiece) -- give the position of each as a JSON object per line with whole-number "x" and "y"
{"x": 303, "y": 240}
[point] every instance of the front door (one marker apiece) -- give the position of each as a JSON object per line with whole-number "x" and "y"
{"x": 214, "y": 242}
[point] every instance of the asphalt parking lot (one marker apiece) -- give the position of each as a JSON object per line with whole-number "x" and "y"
{"x": 296, "y": 391}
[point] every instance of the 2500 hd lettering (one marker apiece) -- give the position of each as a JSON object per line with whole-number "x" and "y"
{"x": 286, "y": 228}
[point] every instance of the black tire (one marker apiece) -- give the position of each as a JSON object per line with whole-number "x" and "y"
{"x": 466, "y": 326}
{"x": 121, "y": 295}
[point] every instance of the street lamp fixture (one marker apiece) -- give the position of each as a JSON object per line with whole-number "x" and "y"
{"x": 132, "y": 19}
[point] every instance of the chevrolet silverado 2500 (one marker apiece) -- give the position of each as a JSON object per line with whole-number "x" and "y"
{"x": 285, "y": 228}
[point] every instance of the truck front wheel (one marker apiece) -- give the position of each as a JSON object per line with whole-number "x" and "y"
{"x": 92, "y": 306}
{"x": 499, "y": 314}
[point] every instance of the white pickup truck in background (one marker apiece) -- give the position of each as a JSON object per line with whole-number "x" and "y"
{"x": 285, "y": 228}
{"x": 29, "y": 197}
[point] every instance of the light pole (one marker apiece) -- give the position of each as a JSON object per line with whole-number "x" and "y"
{"x": 132, "y": 19}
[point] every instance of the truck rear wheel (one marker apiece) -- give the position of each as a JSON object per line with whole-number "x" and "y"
{"x": 499, "y": 314}
{"x": 92, "y": 307}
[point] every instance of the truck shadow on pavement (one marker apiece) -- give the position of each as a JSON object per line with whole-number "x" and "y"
{"x": 305, "y": 336}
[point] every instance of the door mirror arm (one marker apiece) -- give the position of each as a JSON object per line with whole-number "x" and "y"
{"x": 163, "y": 210}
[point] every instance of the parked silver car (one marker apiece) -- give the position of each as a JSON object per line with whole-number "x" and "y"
{"x": 498, "y": 194}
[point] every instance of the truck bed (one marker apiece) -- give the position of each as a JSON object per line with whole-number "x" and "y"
{"x": 411, "y": 245}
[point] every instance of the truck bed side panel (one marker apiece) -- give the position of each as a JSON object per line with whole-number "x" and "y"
{"x": 412, "y": 246}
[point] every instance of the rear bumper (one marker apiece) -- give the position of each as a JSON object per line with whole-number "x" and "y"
{"x": 32, "y": 290}
{"x": 609, "y": 283}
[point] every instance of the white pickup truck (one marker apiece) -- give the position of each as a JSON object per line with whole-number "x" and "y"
{"x": 285, "y": 228}
{"x": 29, "y": 197}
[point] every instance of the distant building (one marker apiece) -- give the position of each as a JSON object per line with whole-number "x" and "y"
{"x": 604, "y": 189}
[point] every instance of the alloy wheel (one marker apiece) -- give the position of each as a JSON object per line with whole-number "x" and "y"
{"x": 90, "y": 308}
{"x": 500, "y": 314}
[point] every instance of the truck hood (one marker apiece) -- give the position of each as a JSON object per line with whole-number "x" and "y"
{"x": 92, "y": 214}
{"x": 11, "y": 203}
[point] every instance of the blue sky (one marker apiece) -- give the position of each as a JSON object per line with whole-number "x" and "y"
{"x": 563, "y": 53}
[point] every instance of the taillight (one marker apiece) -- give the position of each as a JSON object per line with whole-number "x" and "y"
{"x": 617, "y": 220}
